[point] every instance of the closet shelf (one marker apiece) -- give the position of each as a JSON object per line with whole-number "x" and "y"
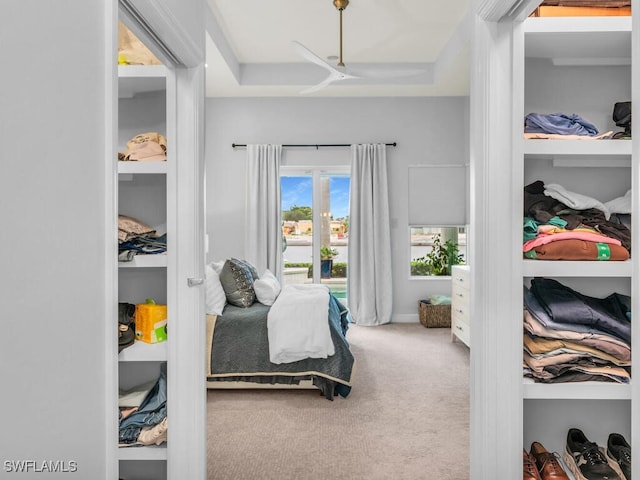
{"x": 144, "y": 352}
{"x": 579, "y": 40}
{"x": 142, "y": 71}
{"x": 145, "y": 261}
{"x": 558, "y": 268}
{"x": 576, "y": 390}
{"x": 154, "y": 452}
{"x": 142, "y": 167}
{"x": 572, "y": 26}
{"x": 137, "y": 79}
{"x": 574, "y": 149}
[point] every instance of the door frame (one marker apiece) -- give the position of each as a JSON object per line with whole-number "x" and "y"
{"x": 163, "y": 32}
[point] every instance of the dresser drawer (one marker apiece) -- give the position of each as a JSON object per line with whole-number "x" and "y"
{"x": 459, "y": 295}
{"x": 461, "y": 330}
{"x": 460, "y": 313}
{"x": 460, "y": 275}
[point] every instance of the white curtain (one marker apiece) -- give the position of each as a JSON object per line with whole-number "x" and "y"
{"x": 369, "y": 279}
{"x": 264, "y": 223}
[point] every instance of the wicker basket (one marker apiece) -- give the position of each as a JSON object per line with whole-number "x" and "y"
{"x": 434, "y": 316}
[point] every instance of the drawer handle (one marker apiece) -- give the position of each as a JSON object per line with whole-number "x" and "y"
{"x": 459, "y": 310}
{"x": 459, "y": 327}
{"x": 460, "y": 295}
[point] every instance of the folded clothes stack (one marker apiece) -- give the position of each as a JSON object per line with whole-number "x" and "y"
{"x": 570, "y": 337}
{"x": 143, "y": 413}
{"x": 136, "y": 237}
{"x": 562, "y": 225}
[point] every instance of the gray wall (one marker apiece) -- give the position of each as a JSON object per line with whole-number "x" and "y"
{"x": 53, "y": 305}
{"x": 428, "y": 131}
{"x": 58, "y": 305}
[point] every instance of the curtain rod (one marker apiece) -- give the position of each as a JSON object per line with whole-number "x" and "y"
{"x": 241, "y": 145}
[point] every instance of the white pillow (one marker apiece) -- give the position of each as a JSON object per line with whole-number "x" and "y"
{"x": 217, "y": 266}
{"x": 267, "y": 288}
{"x": 215, "y": 298}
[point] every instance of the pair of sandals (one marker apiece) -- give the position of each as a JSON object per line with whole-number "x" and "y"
{"x": 626, "y": 135}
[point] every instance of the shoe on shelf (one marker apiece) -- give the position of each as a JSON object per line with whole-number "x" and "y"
{"x": 619, "y": 454}
{"x": 529, "y": 469}
{"x": 585, "y": 460}
{"x": 548, "y": 463}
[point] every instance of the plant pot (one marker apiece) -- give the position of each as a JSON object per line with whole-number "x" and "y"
{"x": 325, "y": 268}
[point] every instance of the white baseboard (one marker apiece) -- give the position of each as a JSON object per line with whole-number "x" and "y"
{"x": 405, "y": 318}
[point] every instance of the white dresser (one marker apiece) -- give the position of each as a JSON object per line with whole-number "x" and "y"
{"x": 460, "y": 326}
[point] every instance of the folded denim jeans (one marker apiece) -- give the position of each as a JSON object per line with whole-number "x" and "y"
{"x": 152, "y": 410}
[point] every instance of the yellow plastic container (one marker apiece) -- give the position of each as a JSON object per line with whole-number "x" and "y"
{"x": 151, "y": 323}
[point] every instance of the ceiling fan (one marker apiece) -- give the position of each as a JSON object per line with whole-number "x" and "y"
{"x": 340, "y": 72}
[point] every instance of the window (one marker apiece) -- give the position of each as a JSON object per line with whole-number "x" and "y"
{"x": 437, "y": 200}
{"x": 434, "y": 249}
{"x": 314, "y": 197}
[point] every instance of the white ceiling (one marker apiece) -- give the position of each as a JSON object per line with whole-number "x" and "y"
{"x": 249, "y": 50}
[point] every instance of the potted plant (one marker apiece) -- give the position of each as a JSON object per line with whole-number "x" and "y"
{"x": 326, "y": 260}
{"x": 439, "y": 260}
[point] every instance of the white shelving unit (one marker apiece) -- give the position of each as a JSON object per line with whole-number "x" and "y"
{"x": 575, "y": 65}
{"x": 146, "y": 261}
{"x": 147, "y": 453}
{"x": 142, "y": 194}
{"x": 537, "y": 268}
{"x": 130, "y": 168}
{"x": 577, "y": 391}
{"x": 578, "y": 149}
{"x": 144, "y": 352}
{"x": 134, "y": 80}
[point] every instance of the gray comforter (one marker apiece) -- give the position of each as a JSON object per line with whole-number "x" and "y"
{"x": 240, "y": 352}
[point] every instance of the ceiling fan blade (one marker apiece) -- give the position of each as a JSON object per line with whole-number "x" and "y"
{"x": 334, "y": 76}
{"x": 372, "y": 73}
{"x": 330, "y": 79}
{"x": 312, "y": 57}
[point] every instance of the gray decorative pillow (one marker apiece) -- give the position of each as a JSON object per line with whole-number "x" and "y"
{"x": 251, "y": 268}
{"x": 237, "y": 281}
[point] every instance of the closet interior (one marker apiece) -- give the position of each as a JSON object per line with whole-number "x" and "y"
{"x": 575, "y": 65}
{"x": 143, "y": 268}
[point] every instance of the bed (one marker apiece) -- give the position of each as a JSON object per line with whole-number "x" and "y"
{"x": 238, "y": 352}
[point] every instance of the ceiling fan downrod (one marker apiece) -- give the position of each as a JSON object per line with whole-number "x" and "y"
{"x": 340, "y": 5}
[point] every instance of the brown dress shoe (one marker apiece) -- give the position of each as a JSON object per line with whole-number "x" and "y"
{"x": 547, "y": 463}
{"x": 529, "y": 469}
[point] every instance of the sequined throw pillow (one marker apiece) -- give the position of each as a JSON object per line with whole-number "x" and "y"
{"x": 237, "y": 279}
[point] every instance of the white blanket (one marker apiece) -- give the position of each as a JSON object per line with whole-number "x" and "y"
{"x": 298, "y": 324}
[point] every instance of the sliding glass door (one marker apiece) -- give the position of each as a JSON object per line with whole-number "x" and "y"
{"x": 316, "y": 197}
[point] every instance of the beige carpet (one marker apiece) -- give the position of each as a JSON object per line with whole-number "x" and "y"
{"x": 407, "y": 417}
